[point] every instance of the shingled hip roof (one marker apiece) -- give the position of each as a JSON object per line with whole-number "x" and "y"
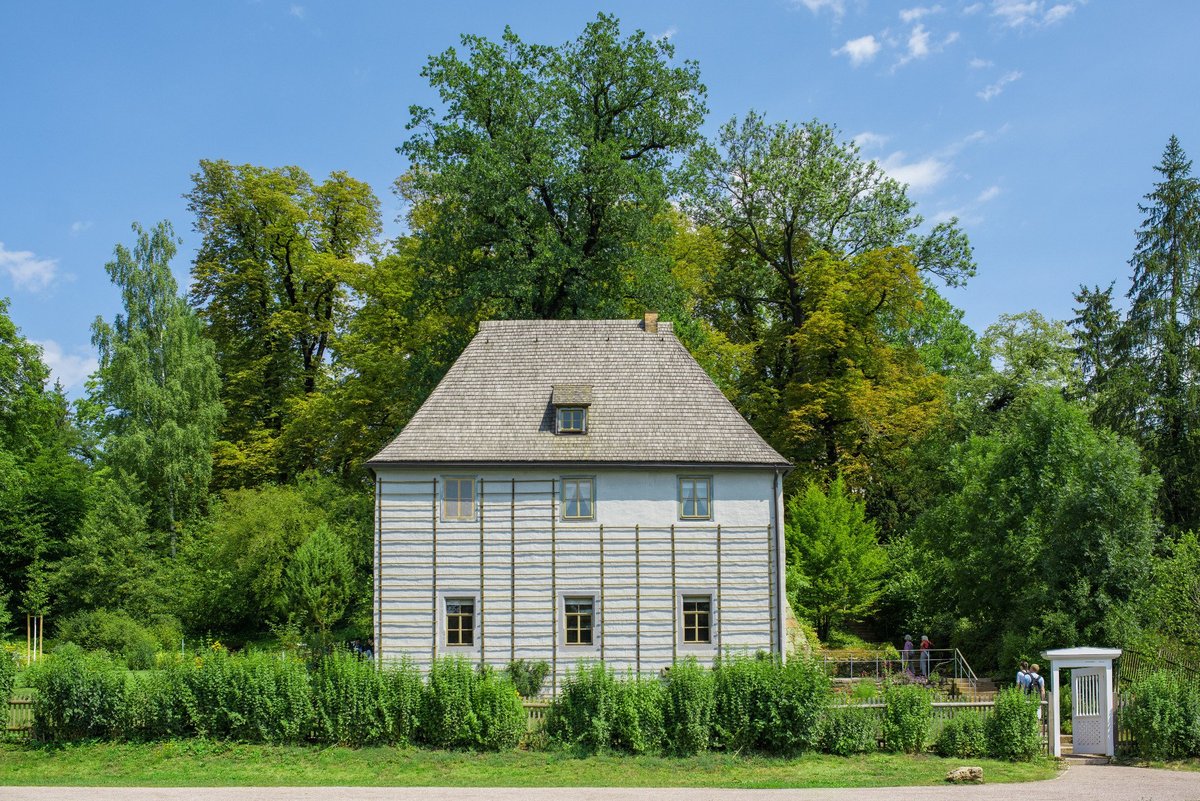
{"x": 650, "y": 402}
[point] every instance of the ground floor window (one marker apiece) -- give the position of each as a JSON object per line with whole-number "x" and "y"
{"x": 697, "y": 619}
{"x": 579, "y": 618}
{"x": 460, "y": 621}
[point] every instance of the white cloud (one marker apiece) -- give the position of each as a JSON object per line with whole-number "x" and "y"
{"x": 867, "y": 140}
{"x": 69, "y": 369}
{"x": 989, "y": 194}
{"x": 908, "y": 15}
{"x": 79, "y": 226}
{"x": 666, "y": 35}
{"x": 1020, "y": 13}
{"x": 860, "y": 50}
{"x": 918, "y": 42}
{"x": 919, "y": 175}
{"x": 297, "y": 11}
{"x": 838, "y": 7}
{"x": 992, "y": 90}
{"x": 978, "y": 63}
{"x": 950, "y": 39}
{"x": 27, "y": 270}
{"x": 974, "y": 8}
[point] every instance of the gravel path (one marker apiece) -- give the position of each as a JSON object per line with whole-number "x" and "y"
{"x": 1087, "y": 782}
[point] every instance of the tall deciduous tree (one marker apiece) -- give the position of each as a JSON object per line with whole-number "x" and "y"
{"x": 836, "y": 566}
{"x": 319, "y": 581}
{"x": 269, "y": 281}
{"x": 156, "y": 384}
{"x": 538, "y": 190}
{"x": 1162, "y": 336}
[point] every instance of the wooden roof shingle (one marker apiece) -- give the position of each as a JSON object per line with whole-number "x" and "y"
{"x": 650, "y": 402}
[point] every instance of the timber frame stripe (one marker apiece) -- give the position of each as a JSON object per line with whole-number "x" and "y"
{"x": 482, "y": 582}
{"x": 512, "y": 574}
{"x": 379, "y": 570}
{"x": 674, "y": 603}
{"x": 433, "y": 567}
{"x": 554, "y": 588}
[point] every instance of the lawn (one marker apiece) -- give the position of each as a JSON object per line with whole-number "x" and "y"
{"x": 202, "y": 763}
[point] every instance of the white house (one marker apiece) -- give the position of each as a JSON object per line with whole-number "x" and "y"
{"x": 578, "y": 490}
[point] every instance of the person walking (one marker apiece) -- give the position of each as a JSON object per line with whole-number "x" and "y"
{"x": 906, "y": 654}
{"x": 1023, "y": 677}
{"x": 925, "y": 646}
{"x": 1036, "y": 687}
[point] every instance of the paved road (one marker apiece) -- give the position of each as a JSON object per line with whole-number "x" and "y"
{"x": 1080, "y": 782}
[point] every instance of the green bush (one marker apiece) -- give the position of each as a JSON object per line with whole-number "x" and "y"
{"x": 762, "y": 704}
{"x": 79, "y": 695}
{"x": 349, "y": 699}
{"x": 1013, "y": 729}
{"x": 253, "y": 698}
{"x": 115, "y": 632}
{"x": 8, "y": 674}
{"x": 963, "y": 736}
{"x": 1163, "y": 717}
{"x": 637, "y": 722}
{"x": 402, "y": 697}
{"x": 688, "y": 711}
{"x": 908, "y": 711}
{"x": 527, "y": 676}
{"x": 582, "y": 714}
{"x": 156, "y": 705}
{"x": 498, "y": 709}
{"x": 849, "y": 730}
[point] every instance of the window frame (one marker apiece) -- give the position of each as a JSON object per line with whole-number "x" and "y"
{"x": 571, "y": 408}
{"x": 579, "y": 594}
{"x": 708, "y": 479}
{"x": 442, "y": 508}
{"x": 562, "y": 499}
{"x": 689, "y": 595}
{"x": 590, "y": 600}
{"x": 446, "y": 597}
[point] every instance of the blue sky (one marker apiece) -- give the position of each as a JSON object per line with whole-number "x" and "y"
{"x": 1037, "y": 123}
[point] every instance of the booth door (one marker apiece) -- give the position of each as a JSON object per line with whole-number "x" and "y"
{"x": 1089, "y": 718}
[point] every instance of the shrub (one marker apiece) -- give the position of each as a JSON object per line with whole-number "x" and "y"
{"x": 688, "y": 710}
{"x": 1163, "y": 716}
{"x": 156, "y": 705}
{"x": 527, "y": 677}
{"x": 637, "y": 722}
{"x": 252, "y": 698}
{"x": 402, "y": 697}
{"x": 498, "y": 709}
{"x": 907, "y": 713}
{"x": 963, "y": 736}
{"x": 1012, "y": 728}
{"x": 793, "y": 709}
{"x": 582, "y": 715}
{"x": 79, "y": 695}
{"x": 115, "y": 632}
{"x": 447, "y": 717}
{"x": 849, "y": 730}
{"x": 738, "y": 685}
{"x": 8, "y": 674}
{"x": 349, "y": 701}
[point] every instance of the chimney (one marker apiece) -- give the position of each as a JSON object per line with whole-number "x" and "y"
{"x": 650, "y": 322}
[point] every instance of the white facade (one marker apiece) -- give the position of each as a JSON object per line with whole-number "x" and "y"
{"x": 514, "y": 555}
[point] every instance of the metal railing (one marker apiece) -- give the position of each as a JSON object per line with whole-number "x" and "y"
{"x": 947, "y": 664}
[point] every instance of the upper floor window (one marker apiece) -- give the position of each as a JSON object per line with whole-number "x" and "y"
{"x": 578, "y": 499}
{"x": 695, "y": 498}
{"x": 458, "y": 498}
{"x": 572, "y": 419}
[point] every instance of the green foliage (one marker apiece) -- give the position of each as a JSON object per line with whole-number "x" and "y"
{"x": 839, "y": 565}
{"x": 527, "y": 676}
{"x": 253, "y": 698}
{"x": 1012, "y": 728}
{"x": 8, "y": 674}
{"x": 502, "y": 719}
{"x": 79, "y": 695}
{"x": 1043, "y": 530}
{"x": 318, "y": 580}
{"x": 761, "y": 704}
{"x": 638, "y": 726}
{"x": 849, "y": 730}
{"x": 156, "y": 704}
{"x": 538, "y": 190}
{"x": 963, "y": 736}
{"x": 1174, "y": 594}
{"x": 1163, "y": 717}
{"x": 688, "y": 711}
{"x": 114, "y": 632}
{"x": 582, "y": 714}
{"x": 156, "y": 384}
{"x": 350, "y": 700}
{"x": 295, "y": 242}
{"x": 907, "y": 714}
{"x": 465, "y": 708}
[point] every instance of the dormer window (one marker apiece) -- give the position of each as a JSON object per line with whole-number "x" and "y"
{"x": 572, "y": 419}
{"x": 571, "y": 402}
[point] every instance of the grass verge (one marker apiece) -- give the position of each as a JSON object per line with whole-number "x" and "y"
{"x": 198, "y": 763}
